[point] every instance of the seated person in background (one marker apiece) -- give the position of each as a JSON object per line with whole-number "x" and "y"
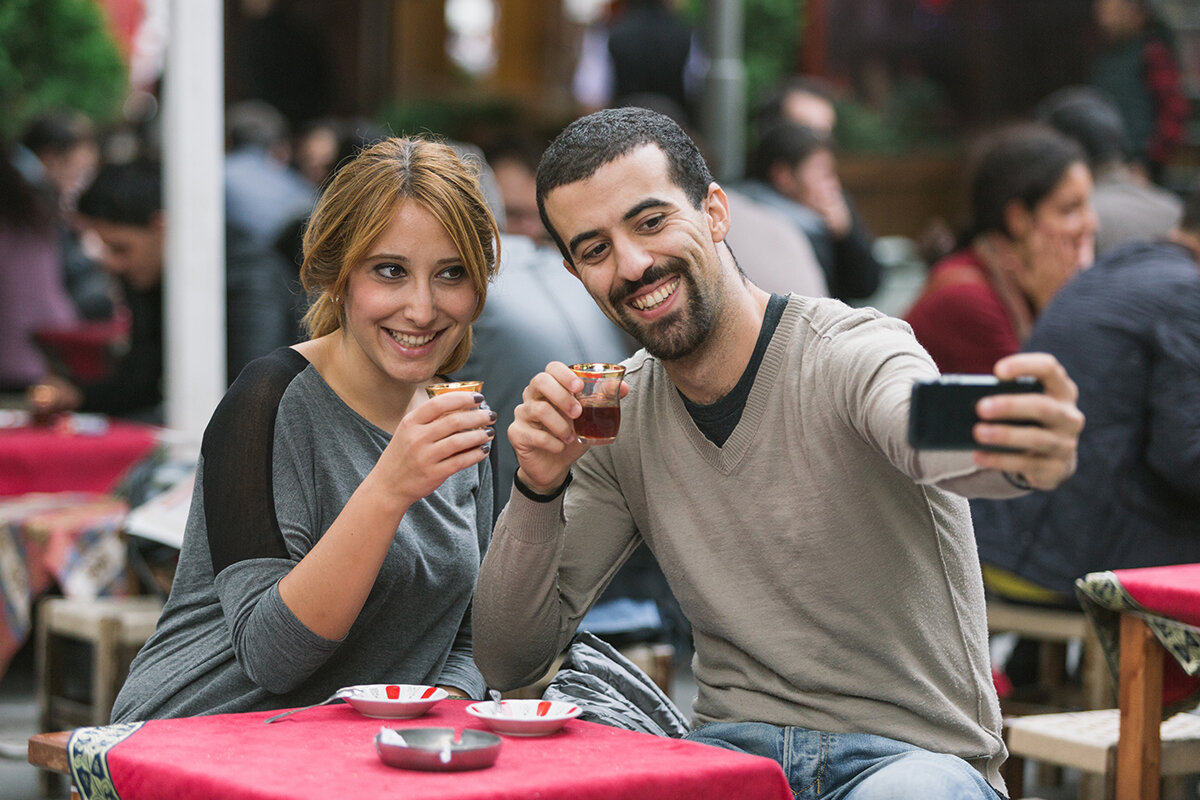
{"x": 1032, "y": 227}
{"x": 792, "y": 170}
{"x": 513, "y": 160}
{"x": 124, "y": 208}
{"x": 827, "y": 569}
{"x": 262, "y": 191}
{"x": 340, "y": 515}
{"x": 67, "y": 155}
{"x": 1128, "y": 331}
{"x": 32, "y": 294}
{"x": 1128, "y": 207}
{"x": 799, "y": 100}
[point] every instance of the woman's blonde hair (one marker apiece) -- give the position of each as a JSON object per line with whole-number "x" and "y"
{"x": 358, "y": 205}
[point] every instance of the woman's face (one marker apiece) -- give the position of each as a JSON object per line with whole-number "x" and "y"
{"x": 409, "y": 301}
{"x": 1059, "y": 237}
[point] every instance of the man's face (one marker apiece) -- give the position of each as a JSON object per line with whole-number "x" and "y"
{"x": 518, "y": 188}
{"x": 645, "y": 254}
{"x": 133, "y": 253}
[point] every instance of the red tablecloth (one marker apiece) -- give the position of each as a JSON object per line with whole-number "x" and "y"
{"x": 59, "y": 458}
{"x": 329, "y": 752}
{"x": 1168, "y": 599}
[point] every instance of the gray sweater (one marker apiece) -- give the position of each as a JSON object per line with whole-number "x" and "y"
{"x": 830, "y": 577}
{"x": 281, "y": 456}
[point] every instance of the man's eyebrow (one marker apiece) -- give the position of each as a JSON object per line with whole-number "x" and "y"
{"x": 649, "y": 202}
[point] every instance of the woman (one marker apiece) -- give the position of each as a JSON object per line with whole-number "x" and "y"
{"x": 340, "y": 515}
{"x": 1032, "y": 228}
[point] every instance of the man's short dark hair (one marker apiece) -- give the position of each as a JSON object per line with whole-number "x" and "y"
{"x": 590, "y": 142}
{"x": 783, "y": 143}
{"x": 1089, "y": 117}
{"x": 768, "y": 111}
{"x": 125, "y": 194}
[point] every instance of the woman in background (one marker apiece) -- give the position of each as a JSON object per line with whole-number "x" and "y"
{"x": 340, "y": 515}
{"x": 1032, "y": 228}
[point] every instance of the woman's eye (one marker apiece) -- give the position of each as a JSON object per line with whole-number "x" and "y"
{"x": 390, "y": 270}
{"x": 455, "y": 273}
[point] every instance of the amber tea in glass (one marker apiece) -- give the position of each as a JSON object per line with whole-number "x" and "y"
{"x": 601, "y": 399}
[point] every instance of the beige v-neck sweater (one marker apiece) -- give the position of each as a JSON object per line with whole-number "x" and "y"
{"x": 830, "y": 577}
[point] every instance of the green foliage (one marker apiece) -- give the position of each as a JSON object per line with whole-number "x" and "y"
{"x": 770, "y": 43}
{"x": 57, "y": 54}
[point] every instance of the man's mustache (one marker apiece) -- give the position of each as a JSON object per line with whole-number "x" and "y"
{"x": 654, "y": 274}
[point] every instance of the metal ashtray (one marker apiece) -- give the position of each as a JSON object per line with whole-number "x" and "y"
{"x": 438, "y": 749}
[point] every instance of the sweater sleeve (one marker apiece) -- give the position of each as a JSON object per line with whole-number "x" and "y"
{"x": 1173, "y": 436}
{"x": 547, "y": 564}
{"x": 249, "y": 551}
{"x": 874, "y": 369}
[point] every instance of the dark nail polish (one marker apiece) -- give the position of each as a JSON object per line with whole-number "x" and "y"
{"x": 491, "y": 416}
{"x": 490, "y": 432}
{"x": 478, "y": 398}
{"x": 487, "y": 448}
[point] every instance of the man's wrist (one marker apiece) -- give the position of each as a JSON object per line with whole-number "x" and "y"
{"x": 540, "y": 497}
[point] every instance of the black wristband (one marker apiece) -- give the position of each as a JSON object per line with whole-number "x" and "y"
{"x": 1018, "y": 480}
{"x": 541, "y": 498}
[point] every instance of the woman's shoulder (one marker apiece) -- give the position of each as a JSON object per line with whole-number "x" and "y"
{"x": 254, "y": 397}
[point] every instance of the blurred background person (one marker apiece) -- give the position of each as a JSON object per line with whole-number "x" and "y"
{"x": 645, "y": 48}
{"x": 1032, "y": 227}
{"x": 32, "y": 293}
{"x": 513, "y": 159}
{"x": 1138, "y": 67}
{"x": 1128, "y": 206}
{"x": 262, "y": 191}
{"x": 792, "y": 169}
{"x": 799, "y": 100}
{"x": 1127, "y": 330}
{"x": 124, "y": 208}
{"x": 67, "y": 154}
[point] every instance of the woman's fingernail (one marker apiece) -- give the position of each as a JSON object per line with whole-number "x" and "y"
{"x": 490, "y": 432}
{"x": 491, "y": 416}
{"x": 487, "y": 448}
{"x": 478, "y": 398}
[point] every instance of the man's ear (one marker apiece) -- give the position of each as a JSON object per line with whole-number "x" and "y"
{"x": 716, "y": 208}
{"x": 571, "y": 268}
{"x": 158, "y": 221}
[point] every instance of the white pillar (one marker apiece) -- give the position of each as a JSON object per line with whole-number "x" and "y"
{"x": 193, "y": 170}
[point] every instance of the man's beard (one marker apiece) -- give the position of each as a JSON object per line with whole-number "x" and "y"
{"x": 678, "y": 335}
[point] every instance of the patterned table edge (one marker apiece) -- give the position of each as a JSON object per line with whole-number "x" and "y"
{"x": 87, "y": 753}
{"x": 1104, "y": 599}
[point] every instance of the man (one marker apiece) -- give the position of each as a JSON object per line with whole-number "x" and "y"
{"x": 793, "y": 171}
{"x": 124, "y": 208}
{"x": 1128, "y": 207}
{"x": 513, "y": 160}
{"x": 830, "y": 578}
{"x": 1128, "y": 329}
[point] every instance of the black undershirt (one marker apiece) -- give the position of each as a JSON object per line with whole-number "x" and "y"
{"x": 717, "y": 420}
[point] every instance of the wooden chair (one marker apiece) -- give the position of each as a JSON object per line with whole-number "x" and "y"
{"x": 1055, "y": 628}
{"x": 1087, "y": 741}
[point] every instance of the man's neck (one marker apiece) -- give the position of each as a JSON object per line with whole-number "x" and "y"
{"x": 712, "y": 371}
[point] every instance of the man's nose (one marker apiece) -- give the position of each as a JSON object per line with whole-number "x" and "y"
{"x": 632, "y": 259}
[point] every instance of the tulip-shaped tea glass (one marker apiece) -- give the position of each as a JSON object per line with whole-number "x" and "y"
{"x": 601, "y": 401}
{"x": 454, "y": 386}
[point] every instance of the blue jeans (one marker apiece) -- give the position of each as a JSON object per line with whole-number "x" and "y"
{"x": 851, "y": 766}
